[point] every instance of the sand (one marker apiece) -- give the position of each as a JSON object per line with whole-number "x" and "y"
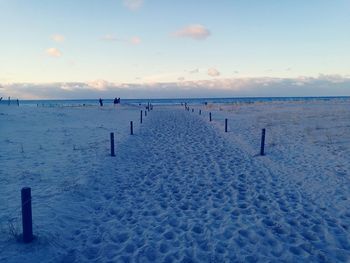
{"x": 180, "y": 189}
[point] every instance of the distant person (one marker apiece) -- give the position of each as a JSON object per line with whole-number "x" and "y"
{"x": 18, "y": 102}
{"x": 1, "y": 99}
{"x": 116, "y": 101}
{"x": 101, "y": 102}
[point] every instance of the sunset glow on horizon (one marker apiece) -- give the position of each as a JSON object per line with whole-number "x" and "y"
{"x": 142, "y": 42}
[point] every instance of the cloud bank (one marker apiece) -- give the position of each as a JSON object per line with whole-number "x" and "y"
{"x": 324, "y": 85}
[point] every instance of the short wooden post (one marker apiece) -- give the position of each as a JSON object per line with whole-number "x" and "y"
{"x": 141, "y": 117}
{"x": 131, "y": 128}
{"x": 262, "y": 147}
{"x": 27, "y": 223}
{"x": 225, "y": 125}
{"x": 145, "y": 113}
{"x": 209, "y": 116}
{"x": 192, "y": 110}
{"x": 112, "y": 144}
{"x": 200, "y": 112}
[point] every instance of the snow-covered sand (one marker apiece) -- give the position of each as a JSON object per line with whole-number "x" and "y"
{"x": 180, "y": 189}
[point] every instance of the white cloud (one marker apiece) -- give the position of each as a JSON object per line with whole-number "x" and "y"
{"x": 53, "y": 52}
{"x": 324, "y": 85}
{"x": 110, "y": 37}
{"x": 58, "y": 38}
{"x": 197, "y": 31}
{"x": 99, "y": 84}
{"x": 135, "y": 40}
{"x": 194, "y": 71}
{"x": 334, "y": 78}
{"x": 133, "y": 4}
{"x": 213, "y": 72}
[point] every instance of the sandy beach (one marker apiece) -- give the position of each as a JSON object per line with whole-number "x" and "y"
{"x": 180, "y": 189}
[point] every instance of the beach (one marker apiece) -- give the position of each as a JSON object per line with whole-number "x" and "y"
{"x": 180, "y": 189}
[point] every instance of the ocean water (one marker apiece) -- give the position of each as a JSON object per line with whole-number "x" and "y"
{"x": 192, "y": 101}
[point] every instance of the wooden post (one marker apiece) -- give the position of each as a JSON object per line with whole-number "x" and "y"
{"x": 112, "y": 144}
{"x": 192, "y": 110}
{"x": 141, "y": 117}
{"x": 225, "y": 125}
{"x": 131, "y": 128}
{"x": 145, "y": 113}
{"x": 200, "y": 112}
{"x": 209, "y": 116}
{"x": 262, "y": 147}
{"x": 27, "y": 223}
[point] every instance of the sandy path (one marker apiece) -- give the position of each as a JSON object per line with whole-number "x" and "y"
{"x": 179, "y": 191}
{"x": 184, "y": 194}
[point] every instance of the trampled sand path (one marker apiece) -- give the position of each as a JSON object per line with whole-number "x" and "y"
{"x": 181, "y": 192}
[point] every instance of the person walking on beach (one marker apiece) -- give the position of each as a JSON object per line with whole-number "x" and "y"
{"x": 101, "y": 102}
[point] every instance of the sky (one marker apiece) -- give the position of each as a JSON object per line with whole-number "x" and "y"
{"x": 65, "y": 48}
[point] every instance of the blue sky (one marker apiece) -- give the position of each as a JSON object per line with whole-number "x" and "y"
{"x": 115, "y": 42}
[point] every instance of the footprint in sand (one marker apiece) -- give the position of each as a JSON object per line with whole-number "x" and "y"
{"x": 120, "y": 237}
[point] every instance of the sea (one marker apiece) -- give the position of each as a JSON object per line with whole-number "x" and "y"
{"x": 175, "y": 101}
